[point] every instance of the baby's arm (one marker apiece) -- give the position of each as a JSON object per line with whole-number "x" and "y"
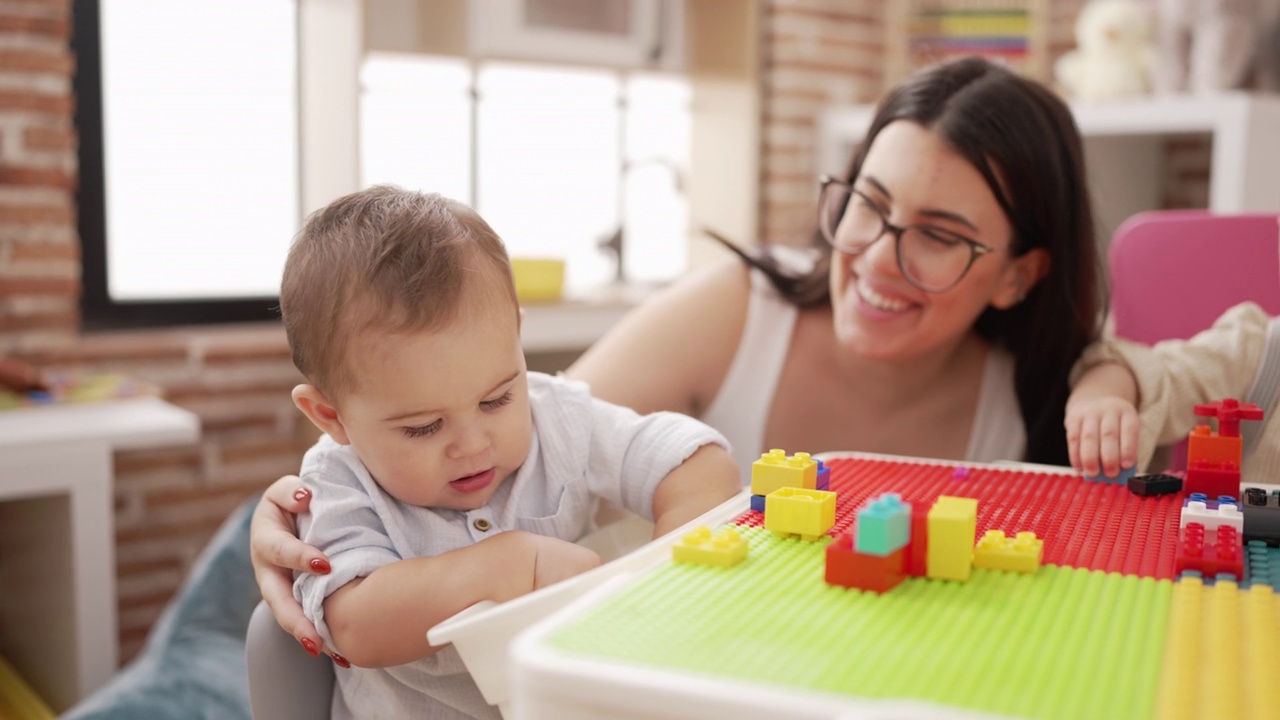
{"x": 1173, "y": 376}
{"x": 706, "y": 479}
{"x": 663, "y": 465}
{"x": 382, "y": 620}
{"x": 1102, "y": 420}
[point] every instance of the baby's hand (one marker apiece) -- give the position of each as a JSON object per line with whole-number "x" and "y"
{"x": 556, "y": 560}
{"x": 1102, "y": 434}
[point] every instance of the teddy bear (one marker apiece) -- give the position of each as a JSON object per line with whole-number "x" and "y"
{"x": 1210, "y": 45}
{"x": 1112, "y": 58}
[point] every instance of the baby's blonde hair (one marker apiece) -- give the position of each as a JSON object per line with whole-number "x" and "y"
{"x": 382, "y": 258}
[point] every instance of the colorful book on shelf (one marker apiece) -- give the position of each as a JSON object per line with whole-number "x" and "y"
{"x": 79, "y": 387}
{"x": 17, "y": 700}
{"x": 971, "y": 24}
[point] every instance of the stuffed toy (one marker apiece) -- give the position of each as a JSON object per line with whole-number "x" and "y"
{"x": 1113, "y": 53}
{"x": 1210, "y": 45}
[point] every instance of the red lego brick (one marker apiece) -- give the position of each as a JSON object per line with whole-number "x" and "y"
{"x": 1213, "y": 479}
{"x": 849, "y": 568}
{"x": 1229, "y": 413}
{"x": 1223, "y": 555}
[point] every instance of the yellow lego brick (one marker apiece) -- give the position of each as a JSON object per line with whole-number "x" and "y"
{"x": 775, "y": 470}
{"x": 800, "y": 511}
{"x": 1021, "y": 553}
{"x": 953, "y": 521}
{"x": 724, "y": 548}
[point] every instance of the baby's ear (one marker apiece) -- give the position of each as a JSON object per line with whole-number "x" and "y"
{"x": 322, "y": 413}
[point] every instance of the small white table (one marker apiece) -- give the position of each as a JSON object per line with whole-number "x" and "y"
{"x": 57, "y": 538}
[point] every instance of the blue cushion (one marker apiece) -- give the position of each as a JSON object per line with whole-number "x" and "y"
{"x": 193, "y": 664}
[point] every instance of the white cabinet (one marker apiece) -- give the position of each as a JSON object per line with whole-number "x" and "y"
{"x": 57, "y": 537}
{"x": 1124, "y": 149}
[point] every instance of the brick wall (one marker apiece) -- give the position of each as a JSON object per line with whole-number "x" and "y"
{"x": 168, "y": 502}
{"x": 815, "y": 53}
{"x": 39, "y": 251}
{"x": 820, "y": 52}
{"x": 237, "y": 378}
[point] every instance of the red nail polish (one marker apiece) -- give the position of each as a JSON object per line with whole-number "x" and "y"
{"x": 320, "y": 566}
{"x": 310, "y": 647}
{"x": 301, "y": 494}
{"x": 340, "y": 660}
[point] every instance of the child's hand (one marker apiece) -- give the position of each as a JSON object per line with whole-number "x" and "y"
{"x": 1102, "y": 434}
{"x": 556, "y": 560}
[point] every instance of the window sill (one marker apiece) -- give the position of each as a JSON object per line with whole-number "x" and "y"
{"x": 576, "y": 322}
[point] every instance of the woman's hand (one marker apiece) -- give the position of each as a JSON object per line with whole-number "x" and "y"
{"x": 276, "y": 551}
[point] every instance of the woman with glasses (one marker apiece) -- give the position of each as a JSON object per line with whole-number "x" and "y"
{"x": 953, "y": 284}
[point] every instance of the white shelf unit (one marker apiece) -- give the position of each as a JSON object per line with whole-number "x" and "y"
{"x": 1124, "y": 149}
{"x": 57, "y": 536}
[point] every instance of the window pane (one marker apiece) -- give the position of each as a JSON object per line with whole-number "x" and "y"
{"x": 201, "y": 146}
{"x": 659, "y": 123}
{"x": 549, "y": 163}
{"x": 415, "y": 123}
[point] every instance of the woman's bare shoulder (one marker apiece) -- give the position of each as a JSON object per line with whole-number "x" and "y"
{"x": 673, "y": 351}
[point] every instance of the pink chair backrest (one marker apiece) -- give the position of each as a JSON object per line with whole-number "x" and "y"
{"x": 1173, "y": 272}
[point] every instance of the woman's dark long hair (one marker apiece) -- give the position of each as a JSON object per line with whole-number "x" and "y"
{"x": 1024, "y": 142}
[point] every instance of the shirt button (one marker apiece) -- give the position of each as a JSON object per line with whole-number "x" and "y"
{"x": 482, "y": 525}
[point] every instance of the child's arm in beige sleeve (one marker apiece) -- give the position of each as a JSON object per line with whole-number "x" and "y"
{"x": 1174, "y": 376}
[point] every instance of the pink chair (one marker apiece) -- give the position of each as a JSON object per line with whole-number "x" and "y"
{"x": 1173, "y": 272}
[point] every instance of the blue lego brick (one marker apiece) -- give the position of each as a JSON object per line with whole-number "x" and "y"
{"x": 757, "y": 503}
{"x": 824, "y": 477}
{"x": 1121, "y": 479}
{"x": 883, "y": 525}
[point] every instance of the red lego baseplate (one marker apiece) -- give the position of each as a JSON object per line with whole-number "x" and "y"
{"x": 1079, "y": 521}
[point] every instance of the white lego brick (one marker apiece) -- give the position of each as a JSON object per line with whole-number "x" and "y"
{"x": 1225, "y": 514}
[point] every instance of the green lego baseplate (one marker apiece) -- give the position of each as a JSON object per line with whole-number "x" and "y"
{"x": 1059, "y": 643}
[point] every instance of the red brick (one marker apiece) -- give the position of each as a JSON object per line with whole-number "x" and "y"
{"x": 69, "y": 320}
{"x": 201, "y": 529}
{"x": 186, "y": 457}
{"x": 56, "y": 27}
{"x": 31, "y": 60}
{"x": 233, "y": 452}
{"x": 44, "y": 137}
{"x": 142, "y": 567}
{"x": 226, "y": 497}
{"x": 26, "y": 176}
{"x": 14, "y": 287}
{"x": 269, "y": 348}
{"x": 60, "y": 105}
{"x": 151, "y": 346}
{"x": 27, "y": 214}
{"x": 21, "y": 251}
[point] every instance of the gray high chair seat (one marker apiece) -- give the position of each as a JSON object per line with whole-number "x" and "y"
{"x": 285, "y": 683}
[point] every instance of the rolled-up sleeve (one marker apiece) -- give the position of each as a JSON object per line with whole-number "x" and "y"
{"x": 630, "y": 454}
{"x": 343, "y": 524}
{"x": 1173, "y": 376}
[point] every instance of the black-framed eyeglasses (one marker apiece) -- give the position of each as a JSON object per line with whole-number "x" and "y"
{"x": 930, "y": 258}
